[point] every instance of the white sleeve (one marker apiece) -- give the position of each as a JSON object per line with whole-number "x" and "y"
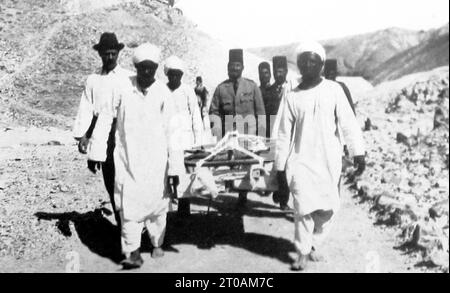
{"x": 99, "y": 140}
{"x": 85, "y": 111}
{"x": 349, "y": 126}
{"x": 175, "y": 153}
{"x": 287, "y": 123}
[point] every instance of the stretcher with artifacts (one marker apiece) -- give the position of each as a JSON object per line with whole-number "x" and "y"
{"x": 237, "y": 163}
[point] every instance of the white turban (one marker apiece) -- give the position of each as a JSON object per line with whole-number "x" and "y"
{"x": 311, "y": 46}
{"x": 174, "y": 63}
{"x": 148, "y": 52}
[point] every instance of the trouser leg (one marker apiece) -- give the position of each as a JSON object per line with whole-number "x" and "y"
{"x": 323, "y": 221}
{"x": 304, "y": 229}
{"x": 243, "y": 197}
{"x": 283, "y": 197}
{"x": 156, "y": 229}
{"x": 131, "y": 236}
{"x": 108, "y": 178}
{"x": 108, "y": 171}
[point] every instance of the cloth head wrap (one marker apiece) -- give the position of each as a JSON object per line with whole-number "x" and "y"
{"x": 147, "y": 52}
{"x": 311, "y": 46}
{"x": 174, "y": 63}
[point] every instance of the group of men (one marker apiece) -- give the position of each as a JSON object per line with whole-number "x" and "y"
{"x": 136, "y": 128}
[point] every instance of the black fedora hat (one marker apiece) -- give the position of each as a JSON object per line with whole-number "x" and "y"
{"x": 108, "y": 41}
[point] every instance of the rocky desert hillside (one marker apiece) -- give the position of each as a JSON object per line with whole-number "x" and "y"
{"x": 51, "y": 205}
{"x": 46, "y": 51}
{"x": 406, "y": 129}
{"x": 381, "y": 55}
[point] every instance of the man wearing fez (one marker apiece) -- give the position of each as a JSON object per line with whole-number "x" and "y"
{"x": 237, "y": 99}
{"x": 330, "y": 72}
{"x": 202, "y": 95}
{"x": 98, "y": 93}
{"x": 145, "y": 154}
{"x": 277, "y": 92}
{"x": 264, "y": 80}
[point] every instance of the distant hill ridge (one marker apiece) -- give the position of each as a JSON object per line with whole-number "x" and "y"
{"x": 380, "y": 55}
{"x": 46, "y": 51}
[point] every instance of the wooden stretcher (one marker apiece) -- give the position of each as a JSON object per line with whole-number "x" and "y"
{"x": 237, "y": 163}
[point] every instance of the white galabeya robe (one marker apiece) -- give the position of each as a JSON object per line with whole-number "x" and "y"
{"x": 308, "y": 144}
{"x": 143, "y": 155}
{"x": 189, "y": 132}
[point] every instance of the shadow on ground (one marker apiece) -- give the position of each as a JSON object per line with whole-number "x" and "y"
{"x": 225, "y": 204}
{"x": 94, "y": 230}
{"x": 205, "y": 231}
{"x": 200, "y": 229}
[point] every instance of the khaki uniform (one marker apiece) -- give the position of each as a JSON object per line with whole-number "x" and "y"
{"x": 246, "y": 101}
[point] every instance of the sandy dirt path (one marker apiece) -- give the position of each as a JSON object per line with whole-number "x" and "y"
{"x": 71, "y": 221}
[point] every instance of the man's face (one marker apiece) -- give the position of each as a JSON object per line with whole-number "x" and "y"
{"x": 174, "y": 77}
{"x": 310, "y": 65}
{"x": 330, "y": 74}
{"x": 109, "y": 58}
{"x": 146, "y": 71}
{"x": 264, "y": 76}
{"x": 235, "y": 70}
{"x": 279, "y": 75}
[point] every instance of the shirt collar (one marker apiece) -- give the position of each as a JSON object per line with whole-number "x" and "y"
{"x": 138, "y": 89}
{"x": 116, "y": 70}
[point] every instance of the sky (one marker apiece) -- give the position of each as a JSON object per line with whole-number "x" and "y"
{"x": 255, "y": 23}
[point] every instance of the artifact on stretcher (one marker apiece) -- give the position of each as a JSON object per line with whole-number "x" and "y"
{"x": 236, "y": 163}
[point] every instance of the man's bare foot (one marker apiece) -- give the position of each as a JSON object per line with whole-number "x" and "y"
{"x": 133, "y": 261}
{"x": 157, "y": 252}
{"x": 314, "y": 256}
{"x": 300, "y": 264}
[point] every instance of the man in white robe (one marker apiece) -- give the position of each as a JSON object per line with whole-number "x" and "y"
{"x": 188, "y": 120}
{"x": 187, "y": 109}
{"x": 309, "y": 151}
{"x": 143, "y": 156}
{"x": 98, "y": 94}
